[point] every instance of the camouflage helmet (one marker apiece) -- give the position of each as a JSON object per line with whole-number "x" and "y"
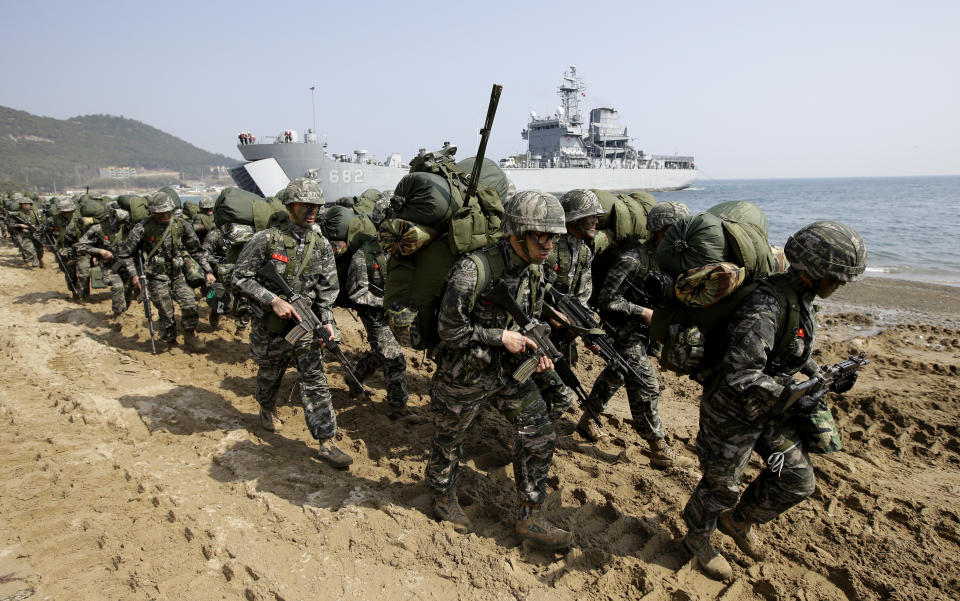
{"x": 578, "y": 204}
{"x": 160, "y": 203}
{"x": 303, "y": 190}
{"x": 827, "y": 249}
{"x": 664, "y": 214}
{"x": 16, "y": 196}
{"x": 380, "y": 211}
{"x": 207, "y": 202}
{"x": 65, "y": 205}
{"x": 530, "y": 211}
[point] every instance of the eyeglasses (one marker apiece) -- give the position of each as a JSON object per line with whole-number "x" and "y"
{"x": 543, "y": 240}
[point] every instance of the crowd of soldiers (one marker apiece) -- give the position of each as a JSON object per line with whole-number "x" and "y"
{"x": 546, "y": 243}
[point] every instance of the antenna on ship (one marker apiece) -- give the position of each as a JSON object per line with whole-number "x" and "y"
{"x": 313, "y": 105}
{"x": 570, "y": 93}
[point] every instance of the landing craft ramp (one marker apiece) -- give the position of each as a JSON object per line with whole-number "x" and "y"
{"x": 263, "y": 177}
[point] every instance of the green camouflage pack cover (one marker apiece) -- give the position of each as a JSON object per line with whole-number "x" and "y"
{"x": 819, "y": 431}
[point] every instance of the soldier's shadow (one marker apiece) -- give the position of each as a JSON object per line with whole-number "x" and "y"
{"x": 35, "y": 298}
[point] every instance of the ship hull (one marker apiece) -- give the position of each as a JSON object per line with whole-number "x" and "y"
{"x": 338, "y": 178}
{"x": 559, "y": 180}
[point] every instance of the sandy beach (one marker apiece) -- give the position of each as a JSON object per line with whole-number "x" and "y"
{"x": 131, "y": 476}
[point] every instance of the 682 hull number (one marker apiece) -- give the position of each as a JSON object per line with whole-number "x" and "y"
{"x": 346, "y": 176}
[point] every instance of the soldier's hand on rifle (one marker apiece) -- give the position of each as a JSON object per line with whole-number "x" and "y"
{"x": 646, "y": 315}
{"x": 329, "y": 328}
{"x": 559, "y": 323}
{"x": 105, "y": 254}
{"x": 594, "y": 348}
{"x": 544, "y": 364}
{"x": 808, "y": 404}
{"x": 515, "y": 342}
{"x": 211, "y": 279}
{"x": 136, "y": 284}
{"x": 283, "y": 309}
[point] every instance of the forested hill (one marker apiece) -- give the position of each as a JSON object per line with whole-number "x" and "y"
{"x": 40, "y": 150}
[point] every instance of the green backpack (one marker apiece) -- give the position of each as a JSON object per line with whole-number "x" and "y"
{"x": 246, "y": 208}
{"x": 135, "y": 205}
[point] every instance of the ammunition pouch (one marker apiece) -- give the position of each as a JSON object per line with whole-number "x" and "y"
{"x": 96, "y": 277}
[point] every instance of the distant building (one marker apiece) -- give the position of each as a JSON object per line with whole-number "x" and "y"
{"x": 118, "y": 172}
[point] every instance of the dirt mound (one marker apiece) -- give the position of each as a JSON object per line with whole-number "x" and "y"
{"x": 132, "y": 476}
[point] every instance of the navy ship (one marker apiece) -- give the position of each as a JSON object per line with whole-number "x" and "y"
{"x": 564, "y": 152}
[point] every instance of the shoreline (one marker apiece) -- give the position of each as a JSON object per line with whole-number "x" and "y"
{"x": 891, "y": 301}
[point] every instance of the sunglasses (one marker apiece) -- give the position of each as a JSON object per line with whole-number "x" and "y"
{"x": 544, "y": 239}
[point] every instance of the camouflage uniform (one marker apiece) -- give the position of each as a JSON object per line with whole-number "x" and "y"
{"x": 31, "y": 247}
{"x": 474, "y": 368}
{"x": 737, "y": 410}
{"x": 267, "y": 345}
{"x": 630, "y": 339}
{"x": 65, "y": 227}
{"x": 568, "y": 270}
{"x": 366, "y": 297}
{"x": 164, "y": 269}
{"x": 103, "y": 236}
{"x": 223, "y": 245}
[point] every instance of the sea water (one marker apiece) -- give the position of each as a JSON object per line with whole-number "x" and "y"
{"x": 911, "y": 224}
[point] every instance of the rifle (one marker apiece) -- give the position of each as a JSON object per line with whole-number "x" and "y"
{"x": 539, "y": 332}
{"x": 145, "y": 297}
{"x": 484, "y": 137}
{"x": 309, "y": 322}
{"x": 584, "y": 325}
{"x": 836, "y": 378}
{"x": 49, "y": 241}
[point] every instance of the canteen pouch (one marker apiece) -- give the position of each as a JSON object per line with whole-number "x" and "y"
{"x": 96, "y": 277}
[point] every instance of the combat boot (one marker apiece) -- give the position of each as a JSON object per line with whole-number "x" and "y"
{"x": 270, "y": 419}
{"x": 712, "y": 563}
{"x": 332, "y": 454}
{"x": 587, "y": 428}
{"x": 535, "y": 529}
{"x": 662, "y": 455}
{"x": 446, "y": 508}
{"x": 742, "y": 533}
{"x": 193, "y": 344}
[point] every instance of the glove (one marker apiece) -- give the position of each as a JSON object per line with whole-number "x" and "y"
{"x": 841, "y": 385}
{"x": 807, "y": 404}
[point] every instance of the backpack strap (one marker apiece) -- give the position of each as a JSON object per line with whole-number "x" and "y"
{"x": 159, "y": 243}
{"x": 789, "y": 327}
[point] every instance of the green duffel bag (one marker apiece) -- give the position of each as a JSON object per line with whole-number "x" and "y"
{"x": 744, "y": 212}
{"x": 692, "y": 242}
{"x": 246, "y": 208}
{"x": 425, "y": 199}
{"x": 92, "y": 207}
{"x": 490, "y": 174}
{"x": 342, "y": 224}
{"x": 135, "y": 205}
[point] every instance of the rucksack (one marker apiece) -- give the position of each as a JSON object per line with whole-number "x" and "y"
{"x": 135, "y": 205}
{"x": 622, "y": 226}
{"x": 190, "y": 209}
{"x": 695, "y": 339}
{"x": 246, "y": 208}
{"x": 425, "y": 239}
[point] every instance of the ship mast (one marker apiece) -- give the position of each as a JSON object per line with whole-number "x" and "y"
{"x": 570, "y": 93}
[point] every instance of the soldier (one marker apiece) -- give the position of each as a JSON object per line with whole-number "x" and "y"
{"x": 305, "y": 260}
{"x": 27, "y": 229}
{"x": 737, "y": 410}
{"x": 161, "y": 239}
{"x": 477, "y": 356}
{"x": 222, "y": 246}
{"x": 203, "y": 222}
{"x": 102, "y": 240}
{"x": 363, "y": 290}
{"x": 568, "y": 270}
{"x": 621, "y": 311}
{"x": 65, "y": 227}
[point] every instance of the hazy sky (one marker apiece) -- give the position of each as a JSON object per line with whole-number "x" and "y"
{"x": 751, "y": 89}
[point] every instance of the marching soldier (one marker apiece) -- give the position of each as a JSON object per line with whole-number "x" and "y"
{"x": 738, "y": 409}
{"x": 626, "y": 316}
{"x": 102, "y": 241}
{"x": 478, "y": 355}
{"x": 305, "y": 260}
{"x": 162, "y": 239}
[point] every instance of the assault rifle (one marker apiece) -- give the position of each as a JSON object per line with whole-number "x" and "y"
{"x": 145, "y": 297}
{"x": 484, "y": 137}
{"x": 583, "y": 324}
{"x": 839, "y": 377}
{"x": 539, "y": 332}
{"x": 47, "y": 239}
{"x": 309, "y": 322}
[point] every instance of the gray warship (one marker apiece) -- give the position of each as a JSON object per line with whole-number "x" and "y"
{"x": 564, "y": 152}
